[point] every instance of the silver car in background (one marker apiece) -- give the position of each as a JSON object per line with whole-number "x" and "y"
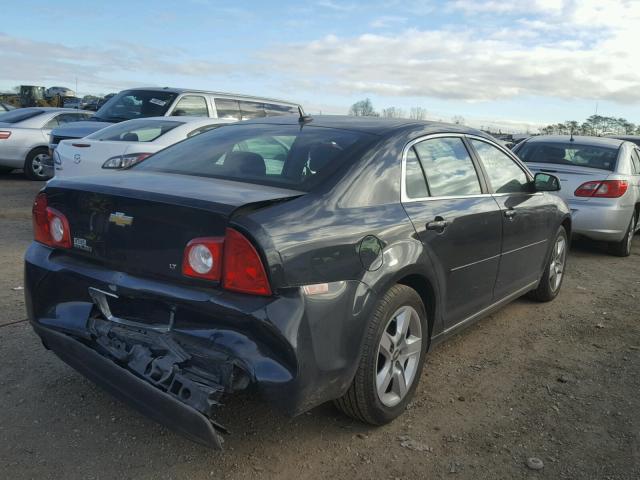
{"x": 24, "y": 137}
{"x": 600, "y": 180}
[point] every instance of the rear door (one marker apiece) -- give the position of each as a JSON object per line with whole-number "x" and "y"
{"x": 526, "y": 222}
{"x": 458, "y": 222}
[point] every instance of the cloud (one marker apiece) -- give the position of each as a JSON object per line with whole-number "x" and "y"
{"x": 386, "y": 21}
{"x": 569, "y": 50}
{"x": 102, "y": 68}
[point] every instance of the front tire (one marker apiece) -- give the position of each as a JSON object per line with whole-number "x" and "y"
{"x": 623, "y": 247}
{"x": 553, "y": 275}
{"x": 34, "y": 164}
{"x": 392, "y": 359}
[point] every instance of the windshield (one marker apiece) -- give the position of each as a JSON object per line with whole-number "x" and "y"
{"x": 131, "y": 104}
{"x": 603, "y": 158}
{"x": 18, "y": 115}
{"x": 135, "y": 131}
{"x": 280, "y": 155}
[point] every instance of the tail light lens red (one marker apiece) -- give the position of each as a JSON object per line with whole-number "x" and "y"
{"x": 50, "y": 227}
{"x": 233, "y": 260}
{"x": 203, "y": 258}
{"x": 602, "y": 189}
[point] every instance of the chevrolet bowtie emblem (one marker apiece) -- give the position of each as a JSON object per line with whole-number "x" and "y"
{"x": 120, "y": 219}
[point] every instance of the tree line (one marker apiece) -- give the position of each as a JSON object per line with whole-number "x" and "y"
{"x": 595, "y": 125}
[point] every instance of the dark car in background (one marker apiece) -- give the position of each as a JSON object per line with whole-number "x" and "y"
{"x": 309, "y": 259}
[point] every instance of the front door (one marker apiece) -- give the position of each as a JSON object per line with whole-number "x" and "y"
{"x": 459, "y": 224}
{"x": 526, "y": 223}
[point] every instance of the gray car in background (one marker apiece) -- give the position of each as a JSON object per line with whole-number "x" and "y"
{"x": 600, "y": 180}
{"x": 24, "y": 137}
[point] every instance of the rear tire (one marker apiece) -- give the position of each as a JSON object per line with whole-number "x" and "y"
{"x": 623, "y": 247}
{"x": 553, "y": 275}
{"x": 392, "y": 361}
{"x": 34, "y": 166}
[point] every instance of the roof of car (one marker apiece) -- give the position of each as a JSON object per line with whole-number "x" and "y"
{"x": 630, "y": 138}
{"x": 373, "y": 125}
{"x": 183, "y": 119}
{"x": 51, "y": 109}
{"x": 211, "y": 92}
{"x": 578, "y": 140}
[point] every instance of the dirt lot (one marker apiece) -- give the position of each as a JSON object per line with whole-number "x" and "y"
{"x": 558, "y": 381}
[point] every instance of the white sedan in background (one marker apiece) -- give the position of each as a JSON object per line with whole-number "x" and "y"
{"x": 127, "y": 143}
{"x": 24, "y": 137}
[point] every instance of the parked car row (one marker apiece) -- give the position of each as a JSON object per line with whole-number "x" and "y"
{"x": 309, "y": 259}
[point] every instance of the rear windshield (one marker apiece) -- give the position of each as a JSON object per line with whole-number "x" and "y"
{"x": 18, "y": 115}
{"x": 280, "y": 155}
{"x": 135, "y": 131}
{"x": 603, "y": 158}
{"x": 131, "y": 104}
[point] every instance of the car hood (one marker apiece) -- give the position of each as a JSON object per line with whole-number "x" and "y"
{"x": 79, "y": 129}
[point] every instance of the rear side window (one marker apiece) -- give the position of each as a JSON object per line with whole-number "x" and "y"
{"x": 279, "y": 155}
{"x": 191, "y": 106}
{"x": 448, "y": 167}
{"x": 635, "y": 159}
{"x": 18, "y": 115}
{"x": 251, "y": 110}
{"x": 591, "y": 156}
{"x": 135, "y": 131}
{"x": 227, "y": 108}
{"x": 65, "y": 118}
{"x": 504, "y": 174}
{"x": 416, "y": 185}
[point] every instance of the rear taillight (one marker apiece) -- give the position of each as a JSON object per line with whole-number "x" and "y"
{"x": 4, "y": 134}
{"x": 232, "y": 260}
{"x": 50, "y": 227}
{"x": 602, "y": 189}
{"x": 125, "y": 161}
{"x": 203, "y": 258}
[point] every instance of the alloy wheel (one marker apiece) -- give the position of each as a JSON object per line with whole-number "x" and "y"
{"x": 399, "y": 353}
{"x": 556, "y": 268}
{"x": 37, "y": 164}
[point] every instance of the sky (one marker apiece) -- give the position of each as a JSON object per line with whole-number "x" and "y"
{"x": 505, "y": 64}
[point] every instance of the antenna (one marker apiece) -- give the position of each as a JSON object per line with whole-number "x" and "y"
{"x": 303, "y": 118}
{"x": 571, "y": 139}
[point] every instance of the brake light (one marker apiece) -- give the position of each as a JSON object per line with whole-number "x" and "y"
{"x": 203, "y": 258}
{"x": 125, "y": 161}
{"x": 602, "y": 189}
{"x": 50, "y": 227}
{"x": 4, "y": 134}
{"x": 232, "y": 260}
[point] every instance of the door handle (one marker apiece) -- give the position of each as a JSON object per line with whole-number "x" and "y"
{"x": 510, "y": 213}
{"x": 438, "y": 224}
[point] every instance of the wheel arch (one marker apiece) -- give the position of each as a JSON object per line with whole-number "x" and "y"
{"x": 422, "y": 285}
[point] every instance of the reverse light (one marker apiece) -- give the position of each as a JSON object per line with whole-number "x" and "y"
{"x": 231, "y": 259}
{"x": 4, "y": 134}
{"x": 602, "y": 189}
{"x": 203, "y": 258}
{"x": 50, "y": 227}
{"x": 125, "y": 161}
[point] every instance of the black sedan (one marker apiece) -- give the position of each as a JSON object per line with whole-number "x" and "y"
{"x": 309, "y": 259}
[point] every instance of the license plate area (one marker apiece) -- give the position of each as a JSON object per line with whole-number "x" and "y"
{"x": 133, "y": 312}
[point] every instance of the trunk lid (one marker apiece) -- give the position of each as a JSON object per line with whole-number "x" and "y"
{"x": 140, "y": 223}
{"x": 85, "y": 157}
{"x": 571, "y": 177}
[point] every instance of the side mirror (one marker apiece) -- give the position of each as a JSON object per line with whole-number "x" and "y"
{"x": 543, "y": 182}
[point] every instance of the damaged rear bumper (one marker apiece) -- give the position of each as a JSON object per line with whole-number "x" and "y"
{"x": 126, "y": 386}
{"x": 185, "y": 349}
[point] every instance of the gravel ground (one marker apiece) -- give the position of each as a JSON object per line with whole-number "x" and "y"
{"x": 557, "y": 381}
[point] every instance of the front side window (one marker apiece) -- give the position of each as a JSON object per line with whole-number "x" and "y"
{"x": 131, "y": 104}
{"x": 135, "y": 131}
{"x": 227, "y": 108}
{"x": 191, "y": 106}
{"x": 273, "y": 109}
{"x": 448, "y": 167}
{"x": 504, "y": 173}
{"x": 591, "y": 156}
{"x": 279, "y": 155}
